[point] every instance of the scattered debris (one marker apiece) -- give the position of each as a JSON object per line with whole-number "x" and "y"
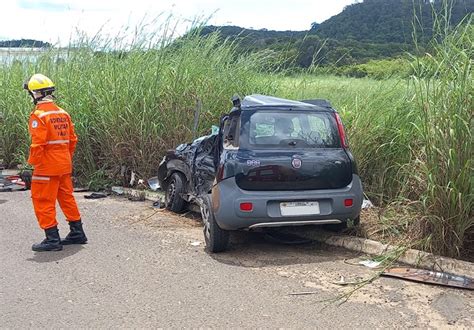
{"x": 431, "y": 277}
{"x": 367, "y": 204}
{"x": 118, "y": 190}
{"x": 196, "y": 243}
{"x": 154, "y": 183}
{"x": 370, "y": 263}
{"x": 159, "y": 204}
{"x": 132, "y": 179}
{"x": 342, "y": 281}
{"x": 95, "y": 196}
{"x": 11, "y": 183}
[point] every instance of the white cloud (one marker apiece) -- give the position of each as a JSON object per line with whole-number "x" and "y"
{"x": 55, "y": 20}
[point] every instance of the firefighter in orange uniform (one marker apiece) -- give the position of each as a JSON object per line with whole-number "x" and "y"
{"x": 53, "y": 142}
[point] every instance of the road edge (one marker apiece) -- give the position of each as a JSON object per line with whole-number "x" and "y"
{"x": 412, "y": 257}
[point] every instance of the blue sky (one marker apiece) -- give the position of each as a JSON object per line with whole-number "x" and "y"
{"x": 56, "y": 21}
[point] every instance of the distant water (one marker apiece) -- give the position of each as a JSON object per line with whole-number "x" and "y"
{"x": 10, "y": 55}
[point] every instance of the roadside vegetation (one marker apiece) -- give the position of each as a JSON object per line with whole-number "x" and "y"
{"x": 409, "y": 120}
{"x": 134, "y": 103}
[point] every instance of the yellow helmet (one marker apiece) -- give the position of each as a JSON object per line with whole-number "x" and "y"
{"x": 39, "y": 83}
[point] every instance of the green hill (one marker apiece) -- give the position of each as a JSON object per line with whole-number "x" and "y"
{"x": 372, "y": 29}
{"x": 385, "y": 21}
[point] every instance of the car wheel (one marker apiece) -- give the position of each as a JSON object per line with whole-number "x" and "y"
{"x": 216, "y": 238}
{"x": 174, "y": 189}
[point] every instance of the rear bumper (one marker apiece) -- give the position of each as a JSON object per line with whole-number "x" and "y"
{"x": 227, "y": 197}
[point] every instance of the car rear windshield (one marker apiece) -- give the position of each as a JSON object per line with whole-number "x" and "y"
{"x": 289, "y": 129}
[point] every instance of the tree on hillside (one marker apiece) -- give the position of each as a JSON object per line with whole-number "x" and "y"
{"x": 370, "y": 29}
{"x": 384, "y": 21}
{"x": 25, "y": 43}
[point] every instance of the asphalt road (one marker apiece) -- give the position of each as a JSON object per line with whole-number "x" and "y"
{"x": 140, "y": 270}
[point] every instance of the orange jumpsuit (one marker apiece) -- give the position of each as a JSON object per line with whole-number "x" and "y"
{"x": 53, "y": 142}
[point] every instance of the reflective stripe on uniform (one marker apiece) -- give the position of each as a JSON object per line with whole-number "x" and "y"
{"x": 40, "y": 178}
{"x": 57, "y": 142}
{"x": 41, "y": 115}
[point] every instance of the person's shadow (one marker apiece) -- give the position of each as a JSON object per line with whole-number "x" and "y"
{"x": 54, "y": 256}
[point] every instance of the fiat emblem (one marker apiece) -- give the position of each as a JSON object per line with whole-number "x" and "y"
{"x": 296, "y": 163}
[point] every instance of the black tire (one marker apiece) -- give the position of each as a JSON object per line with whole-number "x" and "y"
{"x": 217, "y": 239}
{"x": 344, "y": 225}
{"x": 175, "y": 187}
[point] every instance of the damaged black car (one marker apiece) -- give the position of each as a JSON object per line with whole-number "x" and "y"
{"x": 273, "y": 163}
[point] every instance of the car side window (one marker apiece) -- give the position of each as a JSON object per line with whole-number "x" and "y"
{"x": 231, "y": 133}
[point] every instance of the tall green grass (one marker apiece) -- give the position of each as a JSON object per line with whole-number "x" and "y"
{"x": 413, "y": 138}
{"x": 444, "y": 152}
{"x": 131, "y": 104}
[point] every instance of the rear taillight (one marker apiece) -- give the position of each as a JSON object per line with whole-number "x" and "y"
{"x": 348, "y": 202}
{"x": 340, "y": 129}
{"x": 246, "y": 207}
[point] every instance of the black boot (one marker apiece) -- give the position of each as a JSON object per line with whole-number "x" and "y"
{"x": 52, "y": 242}
{"x": 76, "y": 235}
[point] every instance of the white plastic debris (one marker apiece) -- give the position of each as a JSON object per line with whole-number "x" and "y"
{"x": 370, "y": 263}
{"x": 132, "y": 179}
{"x": 153, "y": 183}
{"x": 366, "y": 204}
{"x": 196, "y": 243}
{"x": 117, "y": 190}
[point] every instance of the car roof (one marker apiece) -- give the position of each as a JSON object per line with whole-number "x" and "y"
{"x": 257, "y": 101}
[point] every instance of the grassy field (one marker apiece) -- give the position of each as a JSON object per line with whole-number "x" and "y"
{"x": 412, "y": 137}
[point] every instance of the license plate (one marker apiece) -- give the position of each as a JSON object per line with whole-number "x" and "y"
{"x": 299, "y": 208}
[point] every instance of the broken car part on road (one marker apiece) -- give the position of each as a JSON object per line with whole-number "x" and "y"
{"x": 12, "y": 183}
{"x": 431, "y": 277}
{"x": 95, "y": 196}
